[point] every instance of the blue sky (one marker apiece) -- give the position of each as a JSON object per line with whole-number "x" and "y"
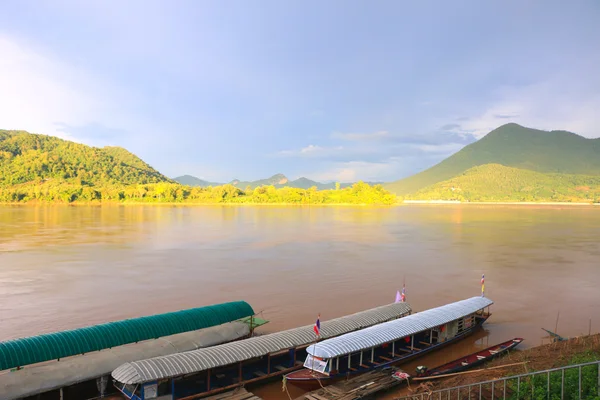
{"x": 336, "y": 90}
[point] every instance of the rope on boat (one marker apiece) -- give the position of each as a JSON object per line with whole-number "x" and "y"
{"x": 466, "y": 372}
{"x": 284, "y": 387}
{"x": 323, "y": 387}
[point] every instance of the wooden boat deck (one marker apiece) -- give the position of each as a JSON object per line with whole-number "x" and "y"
{"x": 358, "y": 387}
{"x": 237, "y": 394}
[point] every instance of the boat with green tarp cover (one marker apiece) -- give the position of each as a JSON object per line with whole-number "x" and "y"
{"x": 53, "y": 346}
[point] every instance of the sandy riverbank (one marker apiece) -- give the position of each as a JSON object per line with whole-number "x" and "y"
{"x": 518, "y": 203}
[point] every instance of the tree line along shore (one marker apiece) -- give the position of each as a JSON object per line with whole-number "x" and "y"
{"x": 164, "y": 192}
{"x": 510, "y": 165}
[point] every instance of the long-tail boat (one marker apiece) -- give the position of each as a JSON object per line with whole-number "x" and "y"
{"x": 472, "y": 360}
{"x": 389, "y": 343}
{"x": 217, "y": 369}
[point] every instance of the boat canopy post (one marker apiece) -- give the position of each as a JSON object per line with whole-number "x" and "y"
{"x": 360, "y": 363}
{"x": 393, "y": 347}
{"x": 349, "y": 357}
{"x": 294, "y": 357}
{"x": 412, "y": 343}
{"x": 337, "y": 363}
{"x": 208, "y": 380}
{"x": 372, "y": 354}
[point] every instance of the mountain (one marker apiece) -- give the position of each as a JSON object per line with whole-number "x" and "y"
{"x": 512, "y": 145}
{"x": 190, "y": 180}
{"x": 39, "y": 168}
{"x": 29, "y": 158}
{"x": 305, "y": 183}
{"x": 495, "y": 182}
{"x": 277, "y": 180}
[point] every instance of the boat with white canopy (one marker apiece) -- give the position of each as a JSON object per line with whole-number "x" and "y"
{"x": 389, "y": 343}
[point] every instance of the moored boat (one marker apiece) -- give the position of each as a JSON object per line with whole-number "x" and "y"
{"x": 471, "y": 360}
{"x": 217, "y": 369}
{"x": 389, "y": 343}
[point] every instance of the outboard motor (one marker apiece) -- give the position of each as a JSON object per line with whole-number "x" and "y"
{"x": 421, "y": 369}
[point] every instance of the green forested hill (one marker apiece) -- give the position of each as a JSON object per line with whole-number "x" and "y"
{"x": 40, "y": 168}
{"x": 494, "y": 182}
{"x": 32, "y": 158}
{"x": 512, "y": 145}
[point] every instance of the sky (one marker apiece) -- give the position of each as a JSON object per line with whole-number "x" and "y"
{"x": 336, "y": 90}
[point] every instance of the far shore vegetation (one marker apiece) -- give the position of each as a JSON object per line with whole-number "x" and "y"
{"x": 359, "y": 193}
{"x": 44, "y": 169}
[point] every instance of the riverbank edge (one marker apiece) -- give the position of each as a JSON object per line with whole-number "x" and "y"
{"x": 537, "y": 358}
{"x": 399, "y": 203}
{"x": 508, "y": 203}
{"x": 186, "y": 204}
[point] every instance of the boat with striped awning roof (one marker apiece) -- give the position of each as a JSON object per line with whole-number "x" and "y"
{"x": 389, "y": 343}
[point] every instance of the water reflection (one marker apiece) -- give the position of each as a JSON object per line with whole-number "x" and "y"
{"x": 64, "y": 267}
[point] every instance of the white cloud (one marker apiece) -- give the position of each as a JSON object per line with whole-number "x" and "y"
{"x": 361, "y": 136}
{"x": 353, "y": 171}
{"x": 448, "y": 148}
{"x": 559, "y": 103}
{"x": 42, "y": 94}
{"x": 311, "y": 151}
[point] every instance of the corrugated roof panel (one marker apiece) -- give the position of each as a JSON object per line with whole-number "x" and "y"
{"x": 202, "y": 359}
{"x": 394, "y": 330}
{"x": 51, "y": 346}
{"x": 42, "y": 378}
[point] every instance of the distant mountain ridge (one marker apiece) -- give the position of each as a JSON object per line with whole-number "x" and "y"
{"x": 277, "y": 180}
{"x": 190, "y": 180}
{"x": 512, "y": 145}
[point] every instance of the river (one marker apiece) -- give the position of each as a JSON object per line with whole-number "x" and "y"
{"x": 64, "y": 267}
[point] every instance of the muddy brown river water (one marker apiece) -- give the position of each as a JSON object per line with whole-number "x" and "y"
{"x": 65, "y": 267}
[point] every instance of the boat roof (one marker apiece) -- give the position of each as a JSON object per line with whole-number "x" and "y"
{"x": 52, "y": 346}
{"x": 41, "y": 378}
{"x": 393, "y": 330}
{"x": 199, "y": 360}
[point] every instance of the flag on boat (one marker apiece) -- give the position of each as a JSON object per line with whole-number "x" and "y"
{"x": 482, "y": 285}
{"x": 398, "y": 298}
{"x": 403, "y": 294}
{"x": 317, "y": 327}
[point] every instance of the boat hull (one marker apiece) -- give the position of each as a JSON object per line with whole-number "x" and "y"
{"x": 474, "y": 359}
{"x": 307, "y": 379}
{"x": 310, "y": 380}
